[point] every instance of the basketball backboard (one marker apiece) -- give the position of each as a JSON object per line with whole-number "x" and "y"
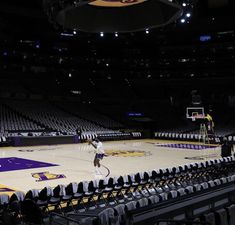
{"x": 194, "y": 113}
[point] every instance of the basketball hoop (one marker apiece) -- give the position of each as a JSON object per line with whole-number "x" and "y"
{"x": 195, "y": 113}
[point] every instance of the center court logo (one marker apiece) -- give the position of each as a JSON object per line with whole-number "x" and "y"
{"x": 127, "y": 153}
{"x": 43, "y": 176}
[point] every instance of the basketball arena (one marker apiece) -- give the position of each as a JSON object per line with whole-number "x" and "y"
{"x": 117, "y": 112}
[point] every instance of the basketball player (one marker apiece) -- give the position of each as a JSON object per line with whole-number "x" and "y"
{"x": 99, "y": 153}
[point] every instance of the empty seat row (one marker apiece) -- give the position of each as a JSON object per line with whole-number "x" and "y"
{"x": 184, "y": 136}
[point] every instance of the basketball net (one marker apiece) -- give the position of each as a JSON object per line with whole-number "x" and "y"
{"x": 198, "y": 116}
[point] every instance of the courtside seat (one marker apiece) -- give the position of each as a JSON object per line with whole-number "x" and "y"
{"x": 109, "y": 184}
{"x": 156, "y": 176}
{"x": 225, "y": 159}
{"x": 230, "y": 158}
{"x": 181, "y": 170}
{"x": 74, "y": 190}
{"x": 144, "y": 183}
{"x": 211, "y": 183}
{"x": 204, "y": 164}
{"x": 229, "y": 179}
{"x": 4, "y": 199}
{"x": 131, "y": 180}
{"x": 108, "y": 190}
{"x": 47, "y": 200}
{"x": 175, "y": 173}
{"x": 134, "y": 186}
{"x": 42, "y": 200}
{"x": 77, "y": 192}
{"x": 60, "y": 192}
{"x": 121, "y": 183}
{"x": 119, "y": 189}
{"x": 127, "y": 187}
{"x": 197, "y": 187}
{"x": 216, "y": 161}
{"x": 32, "y": 194}
{"x": 163, "y": 196}
{"x": 172, "y": 186}
{"x": 159, "y": 190}
{"x": 18, "y": 196}
{"x": 150, "y": 181}
{"x": 189, "y": 189}
{"x": 204, "y": 185}
{"x": 141, "y": 180}
{"x": 98, "y": 193}
{"x": 181, "y": 192}
{"x": 217, "y": 182}
{"x": 143, "y": 202}
{"x": 200, "y": 167}
{"x": 88, "y": 188}
{"x": 223, "y": 180}
{"x": 153, "y": 199}
{"x": 233, "y": 177}
{"x": 90, "y": 195}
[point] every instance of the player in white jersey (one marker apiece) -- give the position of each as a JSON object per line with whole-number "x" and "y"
{"x": 99, "y": 153}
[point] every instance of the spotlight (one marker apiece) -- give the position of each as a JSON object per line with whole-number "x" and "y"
{"x": 147, "y": 31}
{"x": 188, "y": 15}
{"x": 70, "y": 75}
{"x": 182, "y": 20}
{"x": 74, "y": 32}
{"x": 116, "y": 34}
{"x": 184, "y": 4}
{"x": 101, "y": 34}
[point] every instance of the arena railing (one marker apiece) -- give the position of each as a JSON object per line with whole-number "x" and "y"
{"x": 181, "y": 222}
{"x": 187, "y": 207}
{"x": 60, "y": 219}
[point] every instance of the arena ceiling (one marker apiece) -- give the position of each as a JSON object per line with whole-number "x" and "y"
{"x": 202, "y": 46}
{"x": 28, "y": 19}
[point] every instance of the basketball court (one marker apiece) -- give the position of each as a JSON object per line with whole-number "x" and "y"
{"x": 24, "y": 168}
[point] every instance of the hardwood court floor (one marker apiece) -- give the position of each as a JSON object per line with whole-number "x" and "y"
{"x": 24, "y": 168}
